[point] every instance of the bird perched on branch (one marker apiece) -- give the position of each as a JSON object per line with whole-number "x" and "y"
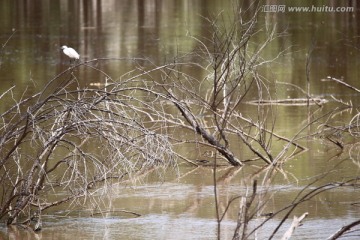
{"x": 70, "y": 52}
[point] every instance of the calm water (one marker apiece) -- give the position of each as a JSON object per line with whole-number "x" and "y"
{"x": 182, "y": 206}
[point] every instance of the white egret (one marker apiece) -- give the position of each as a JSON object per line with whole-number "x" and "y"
{"x": 70, "y": 52}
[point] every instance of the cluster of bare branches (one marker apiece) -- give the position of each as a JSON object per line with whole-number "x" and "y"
{"x": 255, "y": 211}
{"x": 211, "y": 105}
{"x": 72, "y": 139}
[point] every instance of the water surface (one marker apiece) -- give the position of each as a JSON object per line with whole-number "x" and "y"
{"x": 181, "y": 205}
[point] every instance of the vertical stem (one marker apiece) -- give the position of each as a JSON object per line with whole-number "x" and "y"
{"x": 216, "y": 200}
{"x": 308, "y": 68}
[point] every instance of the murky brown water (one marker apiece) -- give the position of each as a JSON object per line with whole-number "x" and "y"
{"x": 182, "y": 207}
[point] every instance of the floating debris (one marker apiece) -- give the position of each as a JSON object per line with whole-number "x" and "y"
{"x": 290, "y": 101}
